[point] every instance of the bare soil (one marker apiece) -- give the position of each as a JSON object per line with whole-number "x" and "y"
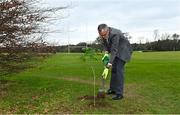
{"x": 88, "y": 97}
{"x": 99, "y": 101}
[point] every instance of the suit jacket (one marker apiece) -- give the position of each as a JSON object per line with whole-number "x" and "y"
{"x": 117, "y": 45}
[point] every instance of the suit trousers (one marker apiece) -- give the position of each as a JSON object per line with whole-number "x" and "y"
{"x": 117, "y": 76}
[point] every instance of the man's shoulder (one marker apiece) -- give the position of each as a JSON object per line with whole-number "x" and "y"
{"x": 115, "y": 31}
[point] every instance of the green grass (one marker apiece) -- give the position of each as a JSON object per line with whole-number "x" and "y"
{"x": 54, "y": 86}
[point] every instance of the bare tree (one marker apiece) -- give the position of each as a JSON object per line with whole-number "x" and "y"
{"x": 23, "y": 25}
{"x": 175, "y": 36}
{"x": 165, "y": 36}
{"x": 156, "y": 34}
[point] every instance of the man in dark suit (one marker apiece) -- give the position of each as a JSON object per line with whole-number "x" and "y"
{"x": 120, "y": 51}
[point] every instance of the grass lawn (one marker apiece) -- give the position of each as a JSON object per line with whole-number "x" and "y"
{"x": 57, "y": 84}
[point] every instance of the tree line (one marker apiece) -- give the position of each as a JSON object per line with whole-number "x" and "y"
{"x": 171, "y": 43}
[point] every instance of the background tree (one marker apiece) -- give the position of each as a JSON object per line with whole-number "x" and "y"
{"x": 156, "y": 34}
{"x": 23, "y": 28}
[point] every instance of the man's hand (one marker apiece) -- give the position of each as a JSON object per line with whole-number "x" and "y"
{"x": 109, "y": 65}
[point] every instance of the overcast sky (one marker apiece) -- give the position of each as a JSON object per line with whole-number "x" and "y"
{"x": 138, "y": 17}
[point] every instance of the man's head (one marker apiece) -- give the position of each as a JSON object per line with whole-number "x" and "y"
{"x": 103, "y": 31}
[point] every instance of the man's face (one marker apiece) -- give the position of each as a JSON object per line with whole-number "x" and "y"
{"x": 104, "y": 33}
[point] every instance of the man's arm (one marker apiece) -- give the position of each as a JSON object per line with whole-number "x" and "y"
{"x": 106, "y": 46}
{"x": 114, "y": 48}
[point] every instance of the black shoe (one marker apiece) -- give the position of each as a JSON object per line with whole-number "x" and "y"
{"x": 110, "y": 92}
{"x": 117, "y": 97}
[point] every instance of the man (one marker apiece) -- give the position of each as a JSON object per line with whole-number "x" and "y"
{"x": 120, "y": 52}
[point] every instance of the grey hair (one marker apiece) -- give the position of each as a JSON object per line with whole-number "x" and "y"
{"x": 102, "y": 27}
